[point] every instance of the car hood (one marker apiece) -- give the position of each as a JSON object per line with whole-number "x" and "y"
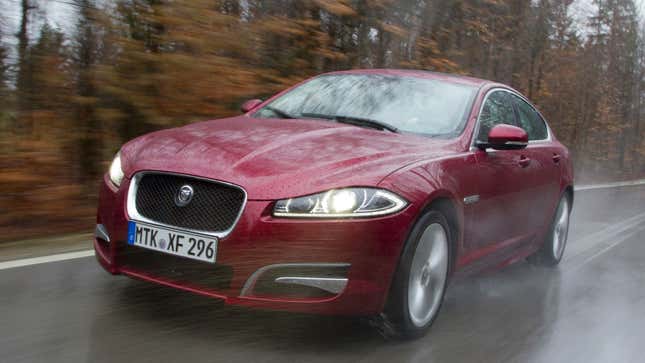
{"x": 279, "y": 158}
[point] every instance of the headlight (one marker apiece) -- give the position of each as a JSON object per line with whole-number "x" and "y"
{"x": 341, "y": 203}
{"x": 116, "y": 173}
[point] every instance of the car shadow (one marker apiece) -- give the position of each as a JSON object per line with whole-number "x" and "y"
{"x": 479, "y": 312}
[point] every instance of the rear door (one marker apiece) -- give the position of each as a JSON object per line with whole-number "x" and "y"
{"x": 543, "y": 186}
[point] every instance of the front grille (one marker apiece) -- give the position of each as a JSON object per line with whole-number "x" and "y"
{"x": 213, "y": 208}
{"x": 176, "y": 269}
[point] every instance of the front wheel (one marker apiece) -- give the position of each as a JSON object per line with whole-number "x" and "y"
{"x": 420, "y": 282}
{"x": 551, "y": 252}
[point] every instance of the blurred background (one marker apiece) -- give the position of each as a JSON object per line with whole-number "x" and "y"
{"x": 78, "y": 78}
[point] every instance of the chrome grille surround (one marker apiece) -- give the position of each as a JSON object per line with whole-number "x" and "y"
{"x": 134, "y": 214}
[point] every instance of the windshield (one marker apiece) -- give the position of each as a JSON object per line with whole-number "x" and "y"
{"x": 407, "y": 104}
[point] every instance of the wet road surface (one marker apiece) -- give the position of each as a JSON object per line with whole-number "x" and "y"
{"x": 589, "y": 309}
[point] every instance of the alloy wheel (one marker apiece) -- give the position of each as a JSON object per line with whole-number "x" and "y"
{"x": 428, "y": 275}
{"x": 561, "y": 229}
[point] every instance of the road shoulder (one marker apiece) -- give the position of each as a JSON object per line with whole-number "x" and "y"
{"x": 45, "y": 246}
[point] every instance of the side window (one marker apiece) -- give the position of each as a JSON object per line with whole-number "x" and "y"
{"x": 498, "y": 109}
{"x": 530, "y": 120}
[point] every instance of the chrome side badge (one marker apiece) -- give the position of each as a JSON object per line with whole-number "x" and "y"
{"x": 471, "y": 199}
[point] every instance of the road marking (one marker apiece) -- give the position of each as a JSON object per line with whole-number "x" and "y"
{"x": 45, "y": 259}
{"x": 610, "y": 185}
{"x": 605, "y": 249}
{"x": 589, "y": 244}
{"x": 614, "y": 229}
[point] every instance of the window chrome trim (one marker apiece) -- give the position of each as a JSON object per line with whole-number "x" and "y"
{"x": 473, "y": 137}
{"x": 546, "y": 124}
{"x": 133, "y": 213}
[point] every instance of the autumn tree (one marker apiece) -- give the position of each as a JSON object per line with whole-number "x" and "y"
{"x": 86, "y": 149}
{"x": 4, "y": 86}
{"x": 609, "y": 89}
{"x": 24, "y": 84}
{"x": 133, "y": 66}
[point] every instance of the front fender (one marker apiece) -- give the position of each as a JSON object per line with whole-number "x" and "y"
{"x": 448, "y": 179}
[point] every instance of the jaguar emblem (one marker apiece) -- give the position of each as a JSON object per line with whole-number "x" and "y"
{"x": 184, "y": 196}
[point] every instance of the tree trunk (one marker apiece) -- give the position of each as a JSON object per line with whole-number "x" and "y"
{"x": 24, "y": 78}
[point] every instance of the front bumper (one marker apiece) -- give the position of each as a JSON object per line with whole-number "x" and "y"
{"x": 370, "y": 249}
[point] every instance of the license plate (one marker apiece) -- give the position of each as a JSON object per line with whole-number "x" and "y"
{"x": 171, "y": 241}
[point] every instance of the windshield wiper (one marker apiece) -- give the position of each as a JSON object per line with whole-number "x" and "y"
{"x": 352, "y": 120}
{"x": 279, "y": 112}
{"x": 359, "y": 121}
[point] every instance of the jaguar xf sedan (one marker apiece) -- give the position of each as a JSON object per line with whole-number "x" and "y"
{"x": 353, "y": 193}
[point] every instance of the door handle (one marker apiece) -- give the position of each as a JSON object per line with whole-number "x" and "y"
{"x": 556, "y": 158}
{"x": 524, "y": 161}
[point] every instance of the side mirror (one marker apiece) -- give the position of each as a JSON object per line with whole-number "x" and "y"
{"x": 250, "y": 105}
{"x": 505, "y": 137}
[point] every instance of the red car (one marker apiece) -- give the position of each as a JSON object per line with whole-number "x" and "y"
{"x": 358, "y": 192}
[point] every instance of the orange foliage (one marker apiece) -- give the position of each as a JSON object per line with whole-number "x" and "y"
{"x": 141, "y": 65}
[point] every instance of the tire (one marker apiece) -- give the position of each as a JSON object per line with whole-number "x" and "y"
{"x": 420, "y": 282}
{"x": 552, "y": 250}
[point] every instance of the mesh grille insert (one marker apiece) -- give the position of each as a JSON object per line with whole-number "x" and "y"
{"x": 213, "y": 208}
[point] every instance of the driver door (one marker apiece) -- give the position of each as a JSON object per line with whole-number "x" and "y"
{"x": 503, "y": 207}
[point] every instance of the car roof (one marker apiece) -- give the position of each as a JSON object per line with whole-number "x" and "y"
{"x": 454, "y": 78}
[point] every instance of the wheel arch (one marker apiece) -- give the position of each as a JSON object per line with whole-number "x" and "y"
{"x": 427, "y": 190}
{"x": 444, "y": 203}
{"x": 447, "y": 205}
